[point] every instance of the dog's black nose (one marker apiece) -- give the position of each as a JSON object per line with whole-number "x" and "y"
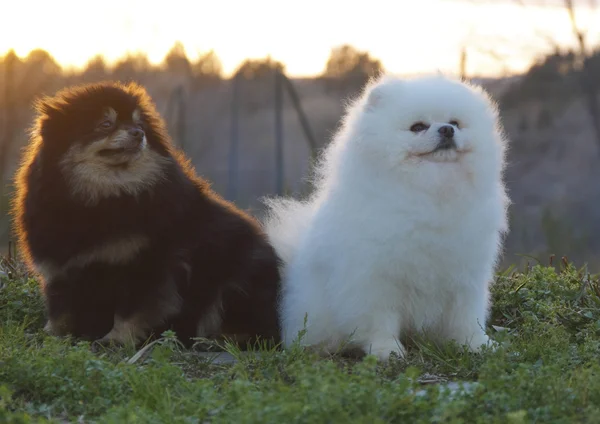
{"x": 446, "y": 131}
{"x": 136, "y": 133}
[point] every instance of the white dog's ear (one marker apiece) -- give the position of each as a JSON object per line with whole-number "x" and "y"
{"x": 374, "y": 98}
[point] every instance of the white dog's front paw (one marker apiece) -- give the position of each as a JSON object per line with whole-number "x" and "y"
{"x": 481, "y": 339}
{"x": 383, "y": 348}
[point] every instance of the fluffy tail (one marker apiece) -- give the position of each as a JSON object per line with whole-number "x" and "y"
{"x": 285, "y": 223}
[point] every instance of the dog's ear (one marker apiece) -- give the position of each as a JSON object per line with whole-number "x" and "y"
{"x": 46, "y": 106}
{"x": 52, "y": 112}
{"x": 374, "y": 98}
{"x": 374, "y": 92}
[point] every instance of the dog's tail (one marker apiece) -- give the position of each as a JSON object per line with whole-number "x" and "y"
{"x": 285, "y": 222}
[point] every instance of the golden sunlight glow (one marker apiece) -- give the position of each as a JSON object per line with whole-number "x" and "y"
{"x": 408, "y": 36}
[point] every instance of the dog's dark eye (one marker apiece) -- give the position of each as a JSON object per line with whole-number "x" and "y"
{"x": 455, "y": 123}
{"x": 418, "y": 127}
{"x": 105, "y": 124}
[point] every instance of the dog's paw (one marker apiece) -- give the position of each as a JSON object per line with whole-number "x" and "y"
{"x": 99, "y": 345}
{"x": 479, "y": 340}
{"x": 384, "y": 348}
{"x": 58, "y": 327}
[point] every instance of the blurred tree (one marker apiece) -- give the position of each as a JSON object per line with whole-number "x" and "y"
{"x": 207, "y": 70}
{"x": 261, "y": 72}
{"x": 132, "y": 66}
{"x": 208, "y": 64}
{"x": 251, "y": 69}
{"x": 37, "y": 74}
{"x": 176, "y": 60}
{"x": 42, "y": 63}
{"x": 348, "y": 69}
{"x": 96, "y": 69}
{"x": 346, "y": 59}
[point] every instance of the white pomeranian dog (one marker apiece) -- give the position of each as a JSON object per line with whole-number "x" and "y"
{"x": 405, "y": 227}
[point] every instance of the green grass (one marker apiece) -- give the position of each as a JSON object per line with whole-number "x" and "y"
{"x": 547, "y": 370}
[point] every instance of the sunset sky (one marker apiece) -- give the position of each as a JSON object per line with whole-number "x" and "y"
{"x": 408, "y": 36}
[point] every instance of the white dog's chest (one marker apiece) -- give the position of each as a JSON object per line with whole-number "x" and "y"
{"x": 424, "y": 254}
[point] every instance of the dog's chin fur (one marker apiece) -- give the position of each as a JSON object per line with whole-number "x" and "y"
{"x": 397, "y": 237}
{"x": 91, "y": 177}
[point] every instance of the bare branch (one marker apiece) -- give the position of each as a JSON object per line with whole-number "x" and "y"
{"x": 578, "y": 34}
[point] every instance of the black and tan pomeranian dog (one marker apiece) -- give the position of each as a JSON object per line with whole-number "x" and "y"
{"x": 127, "y": 239}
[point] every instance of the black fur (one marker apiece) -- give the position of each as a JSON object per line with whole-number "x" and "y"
{"x": 201, "y": 246}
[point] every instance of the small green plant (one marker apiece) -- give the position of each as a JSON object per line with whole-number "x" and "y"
{"x": 4, "y": 221}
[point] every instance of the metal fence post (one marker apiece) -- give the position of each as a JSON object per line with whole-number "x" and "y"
{"x": 234, "y": 141}
{"x": 279, "y": 132}
{"x": 308, "y": 134}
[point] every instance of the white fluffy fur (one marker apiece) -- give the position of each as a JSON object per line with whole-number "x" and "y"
{"x": 395, "y": 239}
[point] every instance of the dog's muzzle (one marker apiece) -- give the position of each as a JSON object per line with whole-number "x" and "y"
{"x": 446, "y": 138}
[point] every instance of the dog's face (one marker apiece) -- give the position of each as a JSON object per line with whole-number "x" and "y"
{"x": 112, "y": 140}
{"x": 431, "y": 120}
{"x": 106, "y": 139}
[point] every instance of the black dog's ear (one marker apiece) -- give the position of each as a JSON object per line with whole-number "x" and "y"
{"x": 47, "y": 106}
{"x": 52, "y": 115}
{"x": 134, "y": 87}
